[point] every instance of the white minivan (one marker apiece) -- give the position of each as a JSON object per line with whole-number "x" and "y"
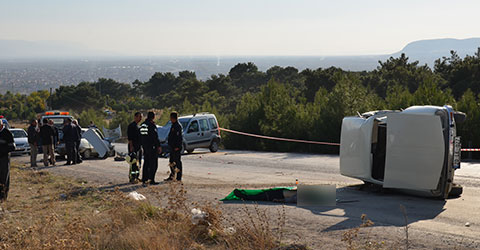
{"x": 416, "y": 149}
{"x": 200, "y": 130}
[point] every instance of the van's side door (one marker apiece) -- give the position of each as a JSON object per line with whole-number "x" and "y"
{"x": 205, "y": 133}
{"x": 193, "y": 134}
{"x": 415, "y": 151}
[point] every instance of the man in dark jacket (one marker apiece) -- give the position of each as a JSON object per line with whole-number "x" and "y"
{"x": 70, "y": 137}
{"x": 33, "y": 141}
{"x": 7, "y": 145}
{"x": 79, "y": 138}
{"x": 47, "y": 133}
{"x": 151, "y": 148}
{"x": 175, "y": 141}
{"x": 56, "y": 138}
{"x": 135, "y": 146}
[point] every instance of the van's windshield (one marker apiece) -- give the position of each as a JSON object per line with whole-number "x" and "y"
{"x": 183, "y": 121}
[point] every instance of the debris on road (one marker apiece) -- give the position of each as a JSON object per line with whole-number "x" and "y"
{"x": 119, "y": 158}
{"x": 198, "y": 216}
{"x": 467, "y": 224}
{"x": 230, "y": 230}
{"x": 136, "y": 196}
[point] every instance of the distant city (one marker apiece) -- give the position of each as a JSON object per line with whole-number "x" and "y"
{"x": 25, "y": 75}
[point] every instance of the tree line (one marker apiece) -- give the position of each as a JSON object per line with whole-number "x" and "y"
{"x": 282, "y": 101}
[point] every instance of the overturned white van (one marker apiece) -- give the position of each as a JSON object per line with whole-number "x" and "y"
{"x": 416, "y": 149}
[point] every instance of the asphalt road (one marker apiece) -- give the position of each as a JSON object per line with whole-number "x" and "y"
{"x": 211, "y": 176}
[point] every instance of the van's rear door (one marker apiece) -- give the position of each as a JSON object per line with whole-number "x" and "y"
{"x": 415, "y": 151}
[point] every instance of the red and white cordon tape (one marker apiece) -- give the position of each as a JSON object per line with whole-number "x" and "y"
{"x": 471, "y": 149}
{"x": 310, "y": 142}
{"x": 278, "y": 138}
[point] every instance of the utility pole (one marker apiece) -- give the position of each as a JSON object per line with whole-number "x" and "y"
{"x": 50, "y": 97}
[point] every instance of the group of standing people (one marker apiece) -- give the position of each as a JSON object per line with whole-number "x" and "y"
{"x": 45, "y": 135}
{"x": 143, "y": 140}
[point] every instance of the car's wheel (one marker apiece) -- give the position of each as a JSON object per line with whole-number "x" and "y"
{"x": 182, "y": 150}
{"x": 87, "y": 154}
{"x": 456, "y": 191}
{"x": 189, "y": 151}
{"x": 214, "y": 146}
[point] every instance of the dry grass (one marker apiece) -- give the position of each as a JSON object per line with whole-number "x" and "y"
{"x": 360, "y": 238}
{"x": 51, "y": 212}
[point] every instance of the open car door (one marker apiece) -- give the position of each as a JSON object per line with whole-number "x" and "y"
{"x": 98, "y": 144}
{"x": 415, "y": 151}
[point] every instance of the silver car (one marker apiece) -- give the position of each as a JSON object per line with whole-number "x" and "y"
{"x": 21, "y": 141}
{"x": 416, "y": 149}
{"x": 199, "y": 131}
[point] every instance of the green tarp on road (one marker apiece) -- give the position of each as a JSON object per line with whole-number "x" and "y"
{"x": 250, "y": 192}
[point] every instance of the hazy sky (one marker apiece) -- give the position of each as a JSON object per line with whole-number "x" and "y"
{"x": 241, "y": 27}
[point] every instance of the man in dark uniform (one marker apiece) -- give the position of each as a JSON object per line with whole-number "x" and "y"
{"x": 7, "y": 145}
{"x": 151, "y": 149}
{"x": 79, "y": 138}
{"x": 47, "y": 133}
{"x": 70, "y": 137}
{"x": 175, "y": 141}
{"x": 134, "y": 146}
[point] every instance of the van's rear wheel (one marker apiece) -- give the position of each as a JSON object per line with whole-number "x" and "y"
{"x": 456, "y": 191}
{"x": 214, "y": 146}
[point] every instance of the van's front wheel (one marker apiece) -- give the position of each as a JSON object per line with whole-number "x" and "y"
{"x": 214, "y": 146}
{"x": 87, "y": 154}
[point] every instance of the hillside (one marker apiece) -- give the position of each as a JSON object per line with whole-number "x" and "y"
{"x": 427, "y": 51}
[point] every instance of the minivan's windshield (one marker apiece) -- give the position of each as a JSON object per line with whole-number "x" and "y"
{"x": 183, "y": 121}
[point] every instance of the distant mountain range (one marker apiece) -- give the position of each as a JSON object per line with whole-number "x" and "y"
{"x": 426, "y": 51}
{"x": 442, "y": 46}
